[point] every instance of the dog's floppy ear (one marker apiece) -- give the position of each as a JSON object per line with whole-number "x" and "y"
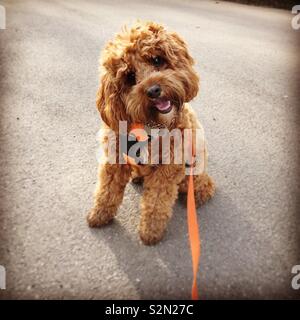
{"x": 101, "y": 101}
{"x": 179, "y": 49}
{"x": 108, "y": 101}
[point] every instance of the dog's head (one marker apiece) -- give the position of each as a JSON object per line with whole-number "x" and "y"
{"x": 147, "y": 75}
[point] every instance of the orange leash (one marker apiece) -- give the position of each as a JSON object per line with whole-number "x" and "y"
{"x": 193, "y": 227}
{"x": 194, "y": 237}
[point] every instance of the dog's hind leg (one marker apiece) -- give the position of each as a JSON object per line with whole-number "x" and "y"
{"x": 204, "y": 187}
{"x": 109, "y": 193}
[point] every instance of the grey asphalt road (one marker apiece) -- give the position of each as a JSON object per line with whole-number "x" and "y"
{"x": 248, "y": 59}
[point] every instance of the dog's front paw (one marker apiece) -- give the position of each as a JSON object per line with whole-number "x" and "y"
{"x": 100, "y": 217}
{"x": 151, "y": 233}
{"x": 150, "y": 239}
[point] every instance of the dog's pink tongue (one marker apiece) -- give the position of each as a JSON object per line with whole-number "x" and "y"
{"x": 162, "y": 104}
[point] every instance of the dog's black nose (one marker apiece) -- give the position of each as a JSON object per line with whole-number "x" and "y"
{"x": 154, "y": 91}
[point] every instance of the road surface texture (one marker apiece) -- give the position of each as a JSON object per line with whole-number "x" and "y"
{"x": 248, "y": 61}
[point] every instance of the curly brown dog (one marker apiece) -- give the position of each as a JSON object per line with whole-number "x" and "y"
{"x": 147, "y": 77}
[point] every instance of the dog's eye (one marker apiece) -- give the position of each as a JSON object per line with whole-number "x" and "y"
{"x": 130, "y": 78}
{"x": 158, "y": 61}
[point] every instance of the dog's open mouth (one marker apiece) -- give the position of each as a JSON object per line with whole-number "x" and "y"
{"x": 163, "y": 105}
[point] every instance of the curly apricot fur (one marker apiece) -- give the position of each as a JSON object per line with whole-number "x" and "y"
{"x": 131, "y": 52}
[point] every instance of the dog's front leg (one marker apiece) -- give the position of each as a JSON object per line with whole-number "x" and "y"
{"x": 109, "y": 193}
{"x": 160, "y": 193}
